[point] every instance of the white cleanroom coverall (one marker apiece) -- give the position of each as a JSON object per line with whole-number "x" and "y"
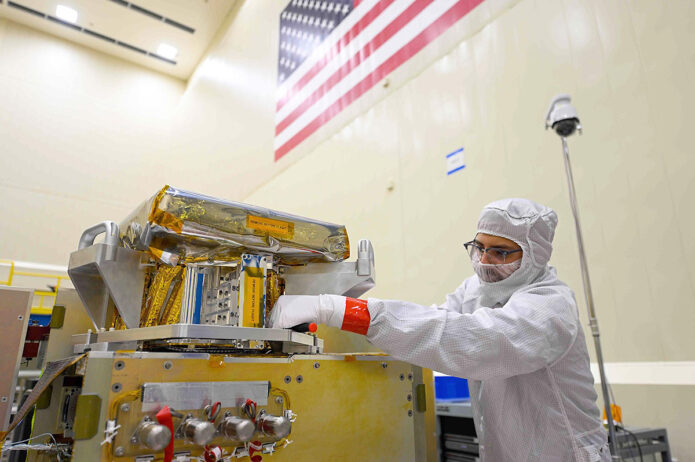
{"x": 518, "y": 341}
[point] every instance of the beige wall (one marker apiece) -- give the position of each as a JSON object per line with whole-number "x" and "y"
{"x": 223, "y": 128}
{"x": 86, "y": 145}
{"x": 81, "y": 141}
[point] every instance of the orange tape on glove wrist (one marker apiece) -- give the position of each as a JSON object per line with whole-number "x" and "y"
{"x": 357, "y": 317}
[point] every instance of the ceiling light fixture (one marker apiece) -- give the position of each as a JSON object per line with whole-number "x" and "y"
{"x": 66, "y": 14}
{"x": 167, "y": 51}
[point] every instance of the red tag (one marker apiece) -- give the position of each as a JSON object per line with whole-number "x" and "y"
{"x": 164, "y": 418}
{"x": 357, "y": 317}
{"x": 252, "y": 450}
{"x": 212, "y": 454}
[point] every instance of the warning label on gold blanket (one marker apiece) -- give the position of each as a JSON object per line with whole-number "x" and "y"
{"x": 277, "y": 228}
{"x": 253, "y": 300}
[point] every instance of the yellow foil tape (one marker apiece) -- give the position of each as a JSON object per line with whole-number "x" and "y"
{"x": 162, "y": 304}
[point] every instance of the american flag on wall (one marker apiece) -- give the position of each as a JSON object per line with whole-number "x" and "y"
{"x": 333, "y": 51}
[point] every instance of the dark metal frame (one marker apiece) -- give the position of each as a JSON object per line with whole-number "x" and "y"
{"x": 650, "y": 440}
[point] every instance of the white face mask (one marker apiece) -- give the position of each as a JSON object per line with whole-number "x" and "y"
{"x": 495, "y": 273}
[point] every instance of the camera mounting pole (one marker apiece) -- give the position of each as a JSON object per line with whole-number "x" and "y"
{"x": 563, "y": 119}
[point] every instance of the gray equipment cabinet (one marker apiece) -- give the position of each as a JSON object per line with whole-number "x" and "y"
{"x": 457, "y": 439}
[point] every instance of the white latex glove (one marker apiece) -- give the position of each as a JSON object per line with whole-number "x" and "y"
{"x": 292, "y": 310}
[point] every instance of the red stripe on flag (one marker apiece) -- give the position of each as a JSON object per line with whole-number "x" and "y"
{"x": 434, "y": 30}
{"x": 335, "y": 50}
{"x": 382, "y": 37}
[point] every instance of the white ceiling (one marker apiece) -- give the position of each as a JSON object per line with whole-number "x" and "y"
{"x": 121, "y": 21}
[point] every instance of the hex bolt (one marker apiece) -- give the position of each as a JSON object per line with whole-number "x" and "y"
{"x": 410, "y": 412}
{"x": 118, "y": 365}
{"x": 278, "y": 399}
{"x": 409, "y": 397}
{"x": 119, "y": 452}
{"x": 125, "y": 407}
{"x": 299, "y": 379}
{"x": 402, "y": 377}
{"x": 168, "y": 365}
{"x": 316, "y": 365}
{"x": 288, "y": 379}
{"x": 116, "y": 387}
{"x": 384, "y": 365}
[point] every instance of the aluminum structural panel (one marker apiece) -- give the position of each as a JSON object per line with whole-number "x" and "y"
{"x": 199, "y": 331}
{"x": 15, "y": 307}
{"x": 106, "y": 276}
{"x": 195, "y": 395}
{"x": 351, "y": 279}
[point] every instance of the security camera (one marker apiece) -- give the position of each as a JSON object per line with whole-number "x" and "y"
{"x": 562, "y": 116}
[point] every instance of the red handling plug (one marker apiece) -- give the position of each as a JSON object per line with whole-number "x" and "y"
{"x": 305, "y": 327}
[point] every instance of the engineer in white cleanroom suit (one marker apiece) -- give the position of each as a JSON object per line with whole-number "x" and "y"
{"x": 517, "y": 340}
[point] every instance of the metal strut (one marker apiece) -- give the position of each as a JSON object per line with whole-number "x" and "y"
{"x": 593, "y": 322}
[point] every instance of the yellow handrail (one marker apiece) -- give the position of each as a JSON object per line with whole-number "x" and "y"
{"x": 9, "y": 279}
{"x": 42, "y": 294}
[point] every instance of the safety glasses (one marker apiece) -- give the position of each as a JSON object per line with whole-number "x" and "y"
{"x": 494, "y": 254}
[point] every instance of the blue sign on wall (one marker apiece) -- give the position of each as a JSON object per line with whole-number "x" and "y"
{"x": 454, "y": 161}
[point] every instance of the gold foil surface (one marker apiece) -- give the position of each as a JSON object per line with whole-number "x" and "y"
{"x": 163, "y": 294}
{"x": 117, "y": 322}
{"x": 274, "y": 287}
{"x": 178, "y": 227}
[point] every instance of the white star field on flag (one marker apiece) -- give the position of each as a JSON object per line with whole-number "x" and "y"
{"x": 303, "y": 26}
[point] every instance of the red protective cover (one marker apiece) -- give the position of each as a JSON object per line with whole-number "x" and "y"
{"x": 37, "y": 333}
{"x": 164, "y": 418}
{"x": 357, "y": 317}
{"x": 31, "y": 350}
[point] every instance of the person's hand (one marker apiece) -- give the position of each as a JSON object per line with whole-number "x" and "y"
{"x": 292, "y": 310}
{"x": 331, "y": 310}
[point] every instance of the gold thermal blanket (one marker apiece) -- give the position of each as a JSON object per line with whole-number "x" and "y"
{"x": 179, "y": 227}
